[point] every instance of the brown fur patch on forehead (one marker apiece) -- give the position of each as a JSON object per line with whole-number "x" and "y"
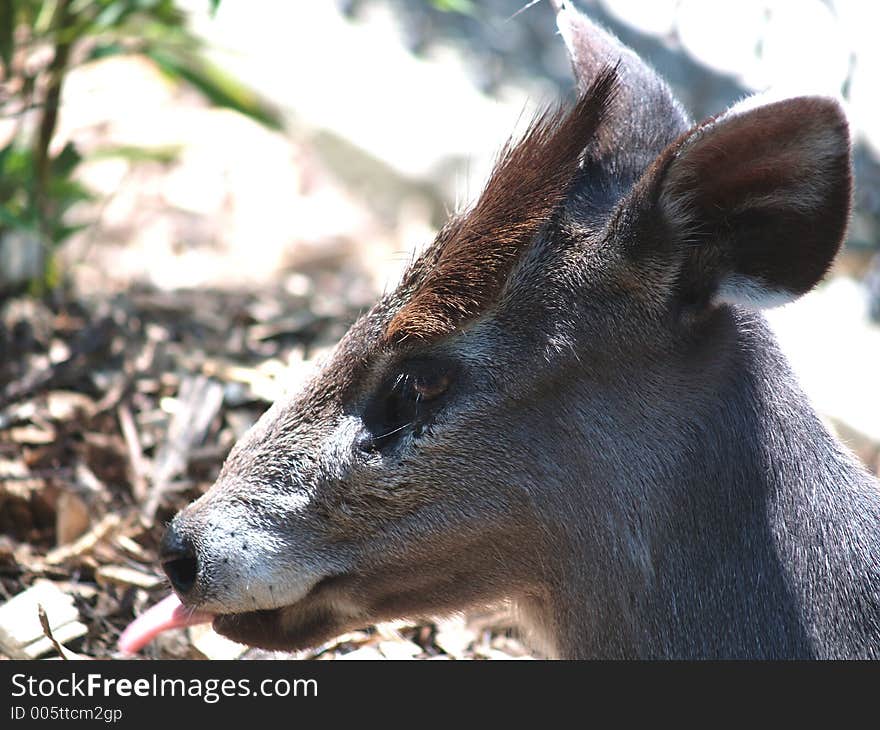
{"x": 529, "y": 182}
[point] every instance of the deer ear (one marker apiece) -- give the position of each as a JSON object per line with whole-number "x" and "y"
{"x": 759, "y": 200}
{"x": 645, "y": 116}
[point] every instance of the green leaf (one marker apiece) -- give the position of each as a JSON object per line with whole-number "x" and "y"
{"x": 65, "y": 161}
{"x": 104, "y": 50}
{"x": 14, "y": 220}
{"x": 91, "y": 30}
{"x": 164, "y": 154}
{"x": 61, "y": 233}
{"x": 216, "y": 85}
{"x": 5, "y": 154}
{"x": 464, "y": 7}
{"x": 112, "y": 15}
{"x": 66, "y": 192}
{"x": 51, "y": 273}
{"x": 18, "y": 164}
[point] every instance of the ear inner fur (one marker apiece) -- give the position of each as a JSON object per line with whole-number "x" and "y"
{"x": 753, "y": 203}
{"x": 528, "y": 184}
{"x": 772, "y": 188}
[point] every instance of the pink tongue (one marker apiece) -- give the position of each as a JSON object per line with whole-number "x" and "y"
{"x": 169, "y": 613}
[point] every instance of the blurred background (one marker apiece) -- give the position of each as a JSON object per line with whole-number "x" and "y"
{"x": 197, "y": 197}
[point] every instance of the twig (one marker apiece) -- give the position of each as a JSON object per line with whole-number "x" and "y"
{"x": 200, "y": 399}
{"x": 47, "y": 631}
{"x": 39, "y": 475}
{"x": 139, "y": 466}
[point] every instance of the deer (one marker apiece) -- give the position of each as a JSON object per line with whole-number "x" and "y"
{"x": 572, "y": 403}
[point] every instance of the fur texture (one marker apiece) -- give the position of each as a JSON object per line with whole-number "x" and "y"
{"x": 612, "y": 441}
{"x": 530, "y": 181}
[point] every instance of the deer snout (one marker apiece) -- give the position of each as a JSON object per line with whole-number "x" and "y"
{"x": 226, "y": 555}
{"x": 179, "y": 559}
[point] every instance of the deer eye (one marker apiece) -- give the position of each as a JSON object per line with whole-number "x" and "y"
{"x": 406, "y": 400}
{"x": 425, "y": 387}
{"x": 412, "y": 392}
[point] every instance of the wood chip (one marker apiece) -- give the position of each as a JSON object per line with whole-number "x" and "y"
{"x": 88, "y": 482}
{"x": 63, "y": 405}
{"x": 485, "y": 652}
{"x": 72, "y": 518}
{"x": 454, "y": 637}
{"x": 122, "y": 575}
{"x": 140, "y": 466}
{"x": 134, "y": 549}
{"x": 85, "y": 543}
{"x": 21, "y": 633}
{"x": 399, "y": 649}
{"x": 16, "y": 479}
{"x": 388, "y": 632}
{"x": 86, "y": 591}
{"x": 510, "y": 646}
{"x": 365, "y": 652}
{"x": 32, "y": 435}
{"x": 213, "y": 645}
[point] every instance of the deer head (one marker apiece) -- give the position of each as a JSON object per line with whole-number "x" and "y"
{"x": 512, "y": 421}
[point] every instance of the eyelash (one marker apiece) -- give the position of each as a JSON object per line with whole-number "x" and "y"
{"x": 408, "y": 386}
{"x": 402, "y": 402}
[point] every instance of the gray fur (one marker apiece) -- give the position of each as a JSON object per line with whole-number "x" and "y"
{"x": 634, "y": 467}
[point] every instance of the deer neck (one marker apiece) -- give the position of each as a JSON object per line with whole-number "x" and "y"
{"x": 755, "y": 534}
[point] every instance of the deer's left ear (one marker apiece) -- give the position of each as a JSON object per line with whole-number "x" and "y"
{"x": 757, "y": 201}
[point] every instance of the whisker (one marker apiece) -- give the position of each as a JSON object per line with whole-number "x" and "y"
{"x": 394, "y": 431}
{"x": 522, "y": 10}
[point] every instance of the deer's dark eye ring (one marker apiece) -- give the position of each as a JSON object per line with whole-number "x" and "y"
{"x": 407, "y": 400}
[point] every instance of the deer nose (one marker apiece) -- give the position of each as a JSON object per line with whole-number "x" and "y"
{"x": 179, "y": 561}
